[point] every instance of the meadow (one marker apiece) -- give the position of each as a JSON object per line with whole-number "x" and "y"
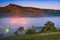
{"x": 36, "y": 36}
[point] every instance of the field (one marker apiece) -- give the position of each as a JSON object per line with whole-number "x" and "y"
{"x": 38, "y": 36}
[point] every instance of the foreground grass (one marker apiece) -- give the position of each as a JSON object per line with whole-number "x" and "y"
{"x": 39, "y": 36}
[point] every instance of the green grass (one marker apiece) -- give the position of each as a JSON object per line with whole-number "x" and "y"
{"x": 38, "y": 36}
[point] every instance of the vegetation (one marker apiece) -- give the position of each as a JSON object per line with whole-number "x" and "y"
{"x": 49, "y": 32}
{"x": 20, "y": 29}
{"x": 30, "y": 31}
{"x": 39, "y": 36}
{"x": 16, "y": 32}
{"x": 49, "y": 26}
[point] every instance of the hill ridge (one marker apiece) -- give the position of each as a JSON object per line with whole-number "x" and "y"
{"x": 21, "y": 11}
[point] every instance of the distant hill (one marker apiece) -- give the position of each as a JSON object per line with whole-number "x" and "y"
{"x": 20, "y": 11}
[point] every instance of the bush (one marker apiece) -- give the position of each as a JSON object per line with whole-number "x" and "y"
{"x": 30, "y": 31}
{"x": 16, "y": 33}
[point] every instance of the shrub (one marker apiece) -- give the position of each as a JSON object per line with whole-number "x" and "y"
{"x": 30, "y": 31}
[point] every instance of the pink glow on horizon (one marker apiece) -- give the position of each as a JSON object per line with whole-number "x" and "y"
{"x": 16, "y": 20}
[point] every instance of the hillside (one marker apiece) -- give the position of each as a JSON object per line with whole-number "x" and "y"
{"x": 39, "y": 36}
{"x": 20, "y": 11}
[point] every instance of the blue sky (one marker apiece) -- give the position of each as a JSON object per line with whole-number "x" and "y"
{"x": 47, "y": 4}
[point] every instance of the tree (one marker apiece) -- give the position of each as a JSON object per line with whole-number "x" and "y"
{"x": 30, "y": 31}
{"x": 16, "y": 32}
{"x": 49, "y": 26}
{"x": 19, "y": 31}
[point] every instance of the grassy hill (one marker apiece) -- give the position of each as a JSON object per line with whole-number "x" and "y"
{"x": 38, "y": 36}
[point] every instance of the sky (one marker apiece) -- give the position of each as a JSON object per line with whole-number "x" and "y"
{"x": 46, "y": 4}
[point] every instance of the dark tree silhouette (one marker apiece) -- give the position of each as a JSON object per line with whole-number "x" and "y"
{"x": 20, "y": 29}
{"x": 49, "y": 26}
{"x": 16, "y": 32}
{"x": 30, "y": 31}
